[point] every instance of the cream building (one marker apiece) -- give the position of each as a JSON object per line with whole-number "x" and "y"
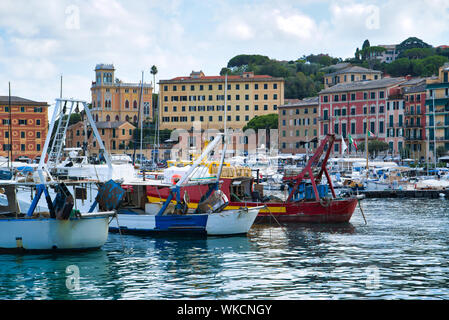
{"x": 185, "y": 100}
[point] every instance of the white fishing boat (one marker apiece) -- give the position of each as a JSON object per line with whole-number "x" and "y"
{"x": 175, "y": 216}
{"x": 77, "y": 166}
{"x": 59, "y": 225}
{"x": 65, "y": 229}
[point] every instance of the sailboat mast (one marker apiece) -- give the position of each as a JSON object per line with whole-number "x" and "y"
{"x": 141, "y": 119}
{"x": 10, "y": 124}
{"x": 225, "y": 133}
{"x": 366, "y": 148}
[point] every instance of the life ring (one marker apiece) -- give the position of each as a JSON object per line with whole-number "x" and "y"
{"x": 325, "y": 202}
{"x": 175, "y": 178}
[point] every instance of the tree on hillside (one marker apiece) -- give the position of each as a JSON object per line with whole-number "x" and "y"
{"x": 417, "y": 53}
{"x": 370, "y": 54}
{"x": 322, "y": 59}
{"x": 399, "y": 67}
{"x": 411, "y": 43}
{"x": 268, "y": 121}
{"x": 366, "y": 44}
{"x": 247, "y": 59}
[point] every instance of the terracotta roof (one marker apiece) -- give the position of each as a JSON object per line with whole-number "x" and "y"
{"x": 220, "y": 78}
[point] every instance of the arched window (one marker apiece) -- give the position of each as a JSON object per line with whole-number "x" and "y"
{"x": 117, "y": 118}
{"x": 135, "y": 104}
{"x": 96, "y": 118}
{"x": 127, "y": 104}
{"x": 108, "y": 118}
{"x": 135, "y": 119}
{"x": 127, "y": 118}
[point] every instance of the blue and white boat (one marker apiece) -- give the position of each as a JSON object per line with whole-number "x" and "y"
{"x": 174, "y": 215}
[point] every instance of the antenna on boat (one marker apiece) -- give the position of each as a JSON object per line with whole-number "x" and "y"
{"x": 10, "y": 125}
{"x": 141, "y": 120}
{"x": 225, "y": 134}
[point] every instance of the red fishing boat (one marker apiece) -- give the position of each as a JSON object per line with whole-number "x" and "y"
{"x": 308, "y": 200}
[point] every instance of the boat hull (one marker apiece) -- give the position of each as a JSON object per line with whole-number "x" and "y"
{"x": 229, "y": 222}
{"x": 336, "y": 211}
{"x": 51, "y": 234}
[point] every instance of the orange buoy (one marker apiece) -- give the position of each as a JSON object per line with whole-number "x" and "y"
{"x": 175, "y": 178}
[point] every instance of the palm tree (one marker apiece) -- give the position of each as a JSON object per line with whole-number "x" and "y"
{"x": 153, "y": 71}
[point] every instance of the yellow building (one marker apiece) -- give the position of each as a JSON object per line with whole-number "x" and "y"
{"x": 197, "y": 97}
{"x": 113, "y": 100}
{"x": 437, "y": 111}
{"x": 348, "y": 73}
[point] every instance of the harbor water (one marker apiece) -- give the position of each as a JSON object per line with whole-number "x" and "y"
{"x": 402, "y": 253}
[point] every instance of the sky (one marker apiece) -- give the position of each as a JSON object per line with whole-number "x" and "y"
{"x": 40, "y": 40}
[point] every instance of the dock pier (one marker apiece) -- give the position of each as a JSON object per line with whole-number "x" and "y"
{"x": 429, "y": 194}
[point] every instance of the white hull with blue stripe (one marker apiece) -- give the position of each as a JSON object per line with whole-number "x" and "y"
{"x": 226, "y": 222}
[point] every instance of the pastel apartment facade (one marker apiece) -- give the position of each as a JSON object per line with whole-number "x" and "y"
{"x": 189, "y": 99}
{"x": 437, "y": 111}
{"x": 29, "y": 126}
{"x": 350, "y": 74}
{"x": 298, "y": 126}
{"x": 116, "y": 136}
{"x": 113, "y": 100}
{"x": 353, "y": 108}
{"x": 414, "y": 95}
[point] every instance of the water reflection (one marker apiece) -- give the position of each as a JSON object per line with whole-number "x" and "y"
{"x": 401, "y": 253}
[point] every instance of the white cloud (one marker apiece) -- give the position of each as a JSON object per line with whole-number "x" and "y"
{"x": 36, "y": 44}
{"x": 298, "y": 25}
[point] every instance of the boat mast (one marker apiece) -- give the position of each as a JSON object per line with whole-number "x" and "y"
{"x": 366, "y": 147}
{"x": 141, "y": 119}
{"x": 10, "y": 125}
{"x": 225, "y": 134}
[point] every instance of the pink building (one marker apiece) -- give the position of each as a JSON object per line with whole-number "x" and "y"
{"x": 351, "y": 108}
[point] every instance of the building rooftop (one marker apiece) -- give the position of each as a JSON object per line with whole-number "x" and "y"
{"x": 200, "y": 77}
{"x": 4, "y": 100}
{"x": 363, "y": 85}
{"x": 421, "y": 87}
{"x": 353, "y": 69}
{"x": 111, "y": 124}
{"x": 300, "y": 103}
{"x": 104, "y": 66}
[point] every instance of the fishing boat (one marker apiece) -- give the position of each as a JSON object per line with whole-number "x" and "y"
{"x": 307, "y": 200}
{"x": 58, "y": 225}
{"x": 62, "y": 228}
{"x": 175, "y": 215}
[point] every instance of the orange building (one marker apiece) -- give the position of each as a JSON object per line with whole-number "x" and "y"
{"x": 113, "y": 100}
{"x": 28, "y": 129}
{"x": 116, "y": 136}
